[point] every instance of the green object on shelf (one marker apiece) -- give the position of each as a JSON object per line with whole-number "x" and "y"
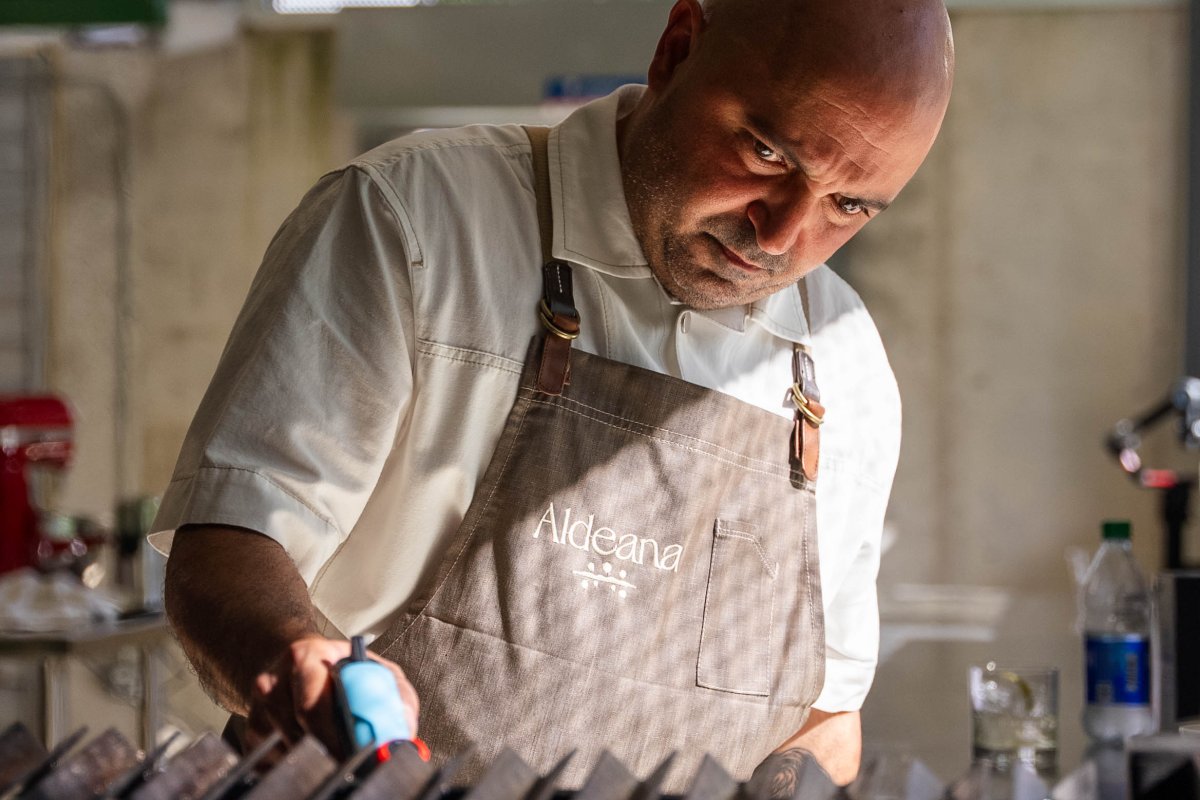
{"x": 82, "y": 12}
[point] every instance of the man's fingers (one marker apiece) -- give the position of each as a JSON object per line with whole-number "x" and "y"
{"x": 296, "y": 696}
{"x": 412, "y": 703}
{"x": 272, "y": 707}
{"x": 312, "y": 696}
{"x": 311, "y": 681}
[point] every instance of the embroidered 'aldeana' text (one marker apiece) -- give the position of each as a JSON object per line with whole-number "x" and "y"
{"x": 604, "y": 541}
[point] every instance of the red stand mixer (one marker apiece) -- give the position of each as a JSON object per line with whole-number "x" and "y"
{"x": 35, "y": 447}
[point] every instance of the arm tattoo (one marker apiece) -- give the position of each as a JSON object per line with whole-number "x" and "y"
{"x": 778, "y": 776}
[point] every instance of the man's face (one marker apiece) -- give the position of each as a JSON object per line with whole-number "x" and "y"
{"x": 742, "y": 178}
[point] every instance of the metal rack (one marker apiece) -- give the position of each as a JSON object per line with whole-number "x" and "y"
{"x": 108, "y": 766}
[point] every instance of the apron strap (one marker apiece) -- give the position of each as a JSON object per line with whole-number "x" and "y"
{"x": 806, "y": 429}
{"x": 538, "y": 139}
{"x": 556, "y": 310}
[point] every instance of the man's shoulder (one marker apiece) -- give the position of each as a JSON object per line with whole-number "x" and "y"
{"x": 449, "y": 186}
{"x": 452, "y": 152}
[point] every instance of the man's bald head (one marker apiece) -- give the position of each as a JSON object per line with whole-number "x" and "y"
{"x": 901, "y": 49}
{"x": 771, "y": 130}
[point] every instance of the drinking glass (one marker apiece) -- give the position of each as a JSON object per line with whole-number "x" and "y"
{"x": 1014, "y": 716}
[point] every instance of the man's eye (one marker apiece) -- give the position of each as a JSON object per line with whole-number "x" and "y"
{"x": 765, "y": 153}
{"x": 850, "y": 206}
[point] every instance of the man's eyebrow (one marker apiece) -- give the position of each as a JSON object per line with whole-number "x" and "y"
{"x": 788, "y": 148}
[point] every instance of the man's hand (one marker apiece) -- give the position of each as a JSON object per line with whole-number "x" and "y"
{"x": 242, "y": 613}
{"x": 296, "y": 695}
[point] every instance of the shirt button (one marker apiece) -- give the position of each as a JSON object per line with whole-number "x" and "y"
{"x": 685, "y": 321}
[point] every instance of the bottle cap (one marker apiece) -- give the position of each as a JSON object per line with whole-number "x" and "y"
{"x": 1115, "y": 529}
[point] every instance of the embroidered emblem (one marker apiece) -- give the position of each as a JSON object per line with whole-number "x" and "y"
{"x": 593, "y": 579}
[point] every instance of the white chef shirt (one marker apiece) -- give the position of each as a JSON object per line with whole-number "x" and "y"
{"x": 368, "y": 377}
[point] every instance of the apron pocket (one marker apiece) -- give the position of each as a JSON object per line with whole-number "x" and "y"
{"x": 739, "y": 607}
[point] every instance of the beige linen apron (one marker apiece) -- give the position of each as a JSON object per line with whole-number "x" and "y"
{"x": 637, "y": 572}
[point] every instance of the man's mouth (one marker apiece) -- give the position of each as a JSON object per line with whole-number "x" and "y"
{"x": 739, "y": 262}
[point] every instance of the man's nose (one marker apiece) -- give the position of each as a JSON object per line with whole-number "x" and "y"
{"x": 780, "y": 218}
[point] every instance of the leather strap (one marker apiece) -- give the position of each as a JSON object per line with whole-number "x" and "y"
{"x": 539, "y": 137}
{"x": 557, "y": 310}
{"x": 806, "y": 429}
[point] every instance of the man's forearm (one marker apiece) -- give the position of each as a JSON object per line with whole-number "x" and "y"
{"x": 833, "y": 739}
{"x": 236, "y": 602}
{"x": 779, "y": 774}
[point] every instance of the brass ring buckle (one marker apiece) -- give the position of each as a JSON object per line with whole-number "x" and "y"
{"x": 548, "y": 322}
{"x": 802, "y": 405}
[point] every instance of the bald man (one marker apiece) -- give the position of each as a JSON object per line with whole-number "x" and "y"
{"x": 577, "y": 427}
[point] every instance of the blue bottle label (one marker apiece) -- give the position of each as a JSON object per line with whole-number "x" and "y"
{"x": 1118, "y": 669}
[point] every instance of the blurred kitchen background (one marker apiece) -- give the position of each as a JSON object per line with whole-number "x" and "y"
{"x": 1030, "y": 284}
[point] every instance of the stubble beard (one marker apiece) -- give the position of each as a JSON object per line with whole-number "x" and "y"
{"x": 689, "y": 268}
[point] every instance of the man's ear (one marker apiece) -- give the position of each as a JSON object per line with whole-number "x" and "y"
{"x": 678, "y": 40}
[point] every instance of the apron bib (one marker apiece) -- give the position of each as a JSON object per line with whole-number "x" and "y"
{"x": 637, "y": 572}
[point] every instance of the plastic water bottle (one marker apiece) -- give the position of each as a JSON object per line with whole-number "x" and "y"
{"x": 1116, "y": 610}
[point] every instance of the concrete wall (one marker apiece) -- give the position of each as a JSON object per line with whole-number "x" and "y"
{"x": 25, "y": 117}
{"x": 1029, "y": 285}
{"x": 219, "y": 145}
{"x": 172, "y": 168}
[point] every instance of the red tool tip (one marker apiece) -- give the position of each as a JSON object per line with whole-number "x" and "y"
{"x": 384, "y": 751}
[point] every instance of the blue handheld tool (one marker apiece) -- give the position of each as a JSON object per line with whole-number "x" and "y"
{"x": 371, "y": 708}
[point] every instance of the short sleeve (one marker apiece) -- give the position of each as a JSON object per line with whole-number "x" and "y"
{"x": 313, "y": 384}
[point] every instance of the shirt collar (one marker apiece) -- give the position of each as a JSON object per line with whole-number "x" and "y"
{"x": 780, "y": 314}
{"x": 591, "y": 219}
